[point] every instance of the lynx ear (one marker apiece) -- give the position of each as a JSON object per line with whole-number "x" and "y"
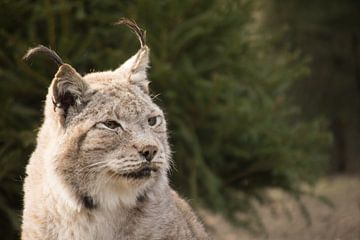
{"x": 135, "y": 68}
{"x": 68, "y": 89}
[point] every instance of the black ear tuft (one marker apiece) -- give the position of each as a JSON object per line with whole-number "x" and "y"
{"x": 45, "y": 51}
{"x": 134, "y": 69}
{"x": 140, "y": 33}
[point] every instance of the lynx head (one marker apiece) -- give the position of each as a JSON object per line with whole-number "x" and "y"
{"x": 106, "y": 141}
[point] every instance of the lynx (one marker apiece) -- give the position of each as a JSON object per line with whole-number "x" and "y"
{"x": 99, "y": 170}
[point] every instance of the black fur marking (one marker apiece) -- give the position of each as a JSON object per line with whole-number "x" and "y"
{"x": 142, "y": 198}
{"x": 89, "y": 202}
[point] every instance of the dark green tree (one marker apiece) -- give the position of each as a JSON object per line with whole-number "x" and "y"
{"x": 328, "y": 33}
{"x": 221, "y": 82}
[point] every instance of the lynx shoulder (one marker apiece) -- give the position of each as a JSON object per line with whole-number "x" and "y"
{"x": 99, "y": 170}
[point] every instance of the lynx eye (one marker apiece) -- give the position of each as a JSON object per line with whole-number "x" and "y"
{"x": 110, "y": 124}
{"x": 153, "y": 121}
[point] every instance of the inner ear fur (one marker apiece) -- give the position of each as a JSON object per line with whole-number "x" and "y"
{"x": 68, "y": 89}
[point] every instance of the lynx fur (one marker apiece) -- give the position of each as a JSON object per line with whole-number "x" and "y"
{"x": 99, "y": 170}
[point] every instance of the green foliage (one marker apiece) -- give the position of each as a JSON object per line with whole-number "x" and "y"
{"x": 223, "y": 86}
{"x": 328, "y": 33}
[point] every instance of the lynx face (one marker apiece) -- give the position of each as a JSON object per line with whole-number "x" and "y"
{"x": 128, "y": 138}
{"x": 124, "y": 151}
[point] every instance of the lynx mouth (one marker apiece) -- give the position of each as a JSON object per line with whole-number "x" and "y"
{"x": 142, "y": 173}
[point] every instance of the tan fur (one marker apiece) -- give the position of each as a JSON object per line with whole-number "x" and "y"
{"x": 80, "y": 180}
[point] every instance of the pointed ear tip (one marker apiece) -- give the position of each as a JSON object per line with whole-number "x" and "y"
{"x": 65, "y": 65}
{"x": 65, "y": 69}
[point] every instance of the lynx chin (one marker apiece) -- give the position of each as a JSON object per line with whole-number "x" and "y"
{"x": 99, "y": 170}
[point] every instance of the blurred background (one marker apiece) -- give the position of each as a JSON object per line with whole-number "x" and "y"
{"x": 262, "y": 99}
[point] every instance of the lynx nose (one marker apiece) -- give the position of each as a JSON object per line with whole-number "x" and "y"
{"x": 148, "y": 152}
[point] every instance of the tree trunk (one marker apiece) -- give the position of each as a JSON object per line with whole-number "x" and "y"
{"x": 340, "y": 157}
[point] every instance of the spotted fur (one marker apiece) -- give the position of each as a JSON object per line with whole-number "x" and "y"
{"x": 91, "y": 175}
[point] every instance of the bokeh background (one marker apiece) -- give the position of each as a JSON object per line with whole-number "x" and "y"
{"x": 262, "y": 99}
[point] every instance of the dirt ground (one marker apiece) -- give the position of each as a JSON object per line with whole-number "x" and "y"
{"x": 342, "y": 222}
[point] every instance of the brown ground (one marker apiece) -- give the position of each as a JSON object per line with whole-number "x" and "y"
{"x": 339, "y": 223}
